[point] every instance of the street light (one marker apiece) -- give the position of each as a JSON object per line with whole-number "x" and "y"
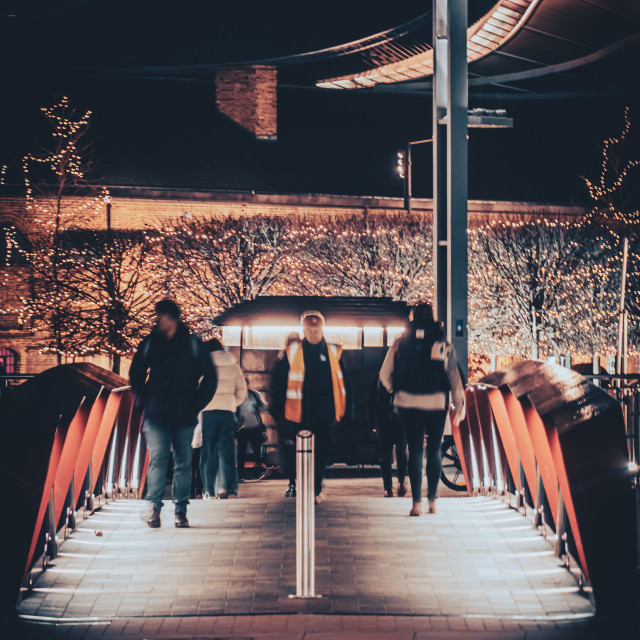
{"x": 401, "y": 165}
{"x": 404, "y": 170}
{"x": 476, "y": 119}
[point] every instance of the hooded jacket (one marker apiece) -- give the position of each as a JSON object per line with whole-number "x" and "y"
{"x": 232, "y": 387}
{"x": 172, "y": 379}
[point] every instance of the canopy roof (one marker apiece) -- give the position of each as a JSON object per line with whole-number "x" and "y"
{"x": 340, "y": 311}
{"x": 520, "y": 47}
{"x": 517, "y": 48}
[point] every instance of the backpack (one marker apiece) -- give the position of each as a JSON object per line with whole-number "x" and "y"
{"x": 253, "y": 399}
{"x": 413, "y": 369}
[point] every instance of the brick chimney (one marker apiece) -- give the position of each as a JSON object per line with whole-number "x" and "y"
{"x": 248, "y": 95}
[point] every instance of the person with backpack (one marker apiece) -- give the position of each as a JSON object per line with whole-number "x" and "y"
{"x": 217, "y": 455}
{"x": 251, "y": 429}
{"x": 421, "y": 370}
{"x": 172, "y": 378}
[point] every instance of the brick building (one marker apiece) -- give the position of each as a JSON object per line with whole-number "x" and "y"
{"x": 257, "y": 148}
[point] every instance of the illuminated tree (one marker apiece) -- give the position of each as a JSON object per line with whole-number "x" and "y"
{"x": 58, "y": 198}
{"x": 211, "y": 264}
{"x": 522, "y": 285}
{"x": 615, "y": 212}
{"x": 371, "y": 255}
{"x": 115, "y": 289}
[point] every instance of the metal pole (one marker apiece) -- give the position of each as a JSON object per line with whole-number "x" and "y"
{"x": 625, "y": 340}
{"x": 409, "y": 178}
{"x": 623, "y": 288}
{"x": 450, "y": 120}
{"x": 305, "y": 516}
{"x": 108, "y": 213}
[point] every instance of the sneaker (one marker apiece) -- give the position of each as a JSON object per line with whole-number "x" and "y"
{"x": 416, "y": 510}
{"x": 181, "y": 521}
{"x": 153, "y": 521}
{"x": 223, "y": 495}
{"x": 433, "y": 507}
{"x": 402, "y": 490}
{"x": 291, "y": 491}
{"x": 388, "y": 493}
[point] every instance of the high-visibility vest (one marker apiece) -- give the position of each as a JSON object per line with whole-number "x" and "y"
{"x": 293, "y": 404}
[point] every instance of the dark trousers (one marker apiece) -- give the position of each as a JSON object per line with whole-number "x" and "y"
{"x": 391, "y": 434}
{"x": 252, "y": 436}
{"x": 287, "y": 448}
{"x": 416, "y": 424}
{"x": 323, "y": 448}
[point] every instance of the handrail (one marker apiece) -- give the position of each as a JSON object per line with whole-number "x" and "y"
{"x": 83, "y": 434}
{"x": 556, "y": 446}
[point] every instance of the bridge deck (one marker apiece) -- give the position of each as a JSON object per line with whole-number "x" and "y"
{"x": 476, "y": 564}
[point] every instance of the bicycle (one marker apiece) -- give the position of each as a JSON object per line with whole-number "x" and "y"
{"x": 451, "y": 474}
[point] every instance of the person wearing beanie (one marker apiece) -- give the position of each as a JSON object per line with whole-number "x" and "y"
{"x": 172, "y": 378}
{"x": 421, "y": 370}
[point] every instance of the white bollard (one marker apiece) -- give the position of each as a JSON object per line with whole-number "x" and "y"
{"x": 305, "y": 517}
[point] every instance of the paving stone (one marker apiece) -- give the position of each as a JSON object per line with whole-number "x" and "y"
{"x": 475, "y": 558}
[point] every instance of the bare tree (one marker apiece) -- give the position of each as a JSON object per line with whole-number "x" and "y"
{"x": 54, "y": 180}
{"x": 615, "y": 213}
{"x": 372, "y": 255}
{"x": 114, "y": 289}
{"x": 212, "y": 264}
{"x": 521, "y": 280}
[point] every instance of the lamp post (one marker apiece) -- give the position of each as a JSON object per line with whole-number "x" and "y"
{"x": 407, "y": 169}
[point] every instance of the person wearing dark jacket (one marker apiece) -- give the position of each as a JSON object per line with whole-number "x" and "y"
{"x": 421, "y": 370}
{"x": 173, "y": 379}
{"x": 286, "y": 430}
{"x": 390, "y": 434}
{"x": 312, "y": 390}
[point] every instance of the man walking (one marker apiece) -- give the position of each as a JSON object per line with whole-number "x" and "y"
{"x": 173, "y": 378}
{"x": 310, "y": 390}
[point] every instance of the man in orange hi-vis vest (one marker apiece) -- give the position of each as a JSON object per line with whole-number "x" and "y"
{"x": 311, "y": 391}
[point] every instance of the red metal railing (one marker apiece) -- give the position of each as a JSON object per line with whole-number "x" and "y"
{"x": 556, "y": 446}
{"x": 82, "y": 423}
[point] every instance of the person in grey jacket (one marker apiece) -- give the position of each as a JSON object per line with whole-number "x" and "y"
{"x": 217, "y": 457}
{"x": 421, "y": 370}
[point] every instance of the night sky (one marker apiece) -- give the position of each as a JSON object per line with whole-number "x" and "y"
{"x": 167, "y": 133}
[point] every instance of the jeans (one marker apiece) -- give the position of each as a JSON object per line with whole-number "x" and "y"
{"x": 161, "y": 441}
{"x": 390, "y": 433}
{"x": 218, "y": 451}
{"x": 416, "y": 423}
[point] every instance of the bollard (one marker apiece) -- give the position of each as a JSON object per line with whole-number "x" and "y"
{"x": 305, "y": 517}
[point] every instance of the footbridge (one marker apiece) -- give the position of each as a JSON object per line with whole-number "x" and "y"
{"x": 545, "y": 538}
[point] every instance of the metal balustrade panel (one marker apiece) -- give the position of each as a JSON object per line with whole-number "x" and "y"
{"x": 92, "y": 428}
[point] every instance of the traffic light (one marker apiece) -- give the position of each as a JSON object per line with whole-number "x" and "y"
{"x": 402, "y": 164}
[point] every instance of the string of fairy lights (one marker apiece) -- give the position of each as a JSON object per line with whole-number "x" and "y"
{"x": 537, "y": 286}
